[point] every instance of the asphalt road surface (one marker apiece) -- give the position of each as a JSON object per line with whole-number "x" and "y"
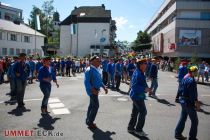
{"x": 68, "y": 106}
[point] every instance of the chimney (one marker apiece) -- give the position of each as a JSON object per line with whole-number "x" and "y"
{"x": 103, "y": 6}
{"x": 75, "y": 7}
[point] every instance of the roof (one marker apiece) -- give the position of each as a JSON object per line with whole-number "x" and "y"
{"x": 88, "y": 14}
{"x": 91, "y": 11}
{"x": 19, "y": 28}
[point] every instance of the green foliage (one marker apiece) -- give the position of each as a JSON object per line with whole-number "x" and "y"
{"x": 142, "y": 42}
{"x": 195, "y": 60}
{"x": 176, "y": 63}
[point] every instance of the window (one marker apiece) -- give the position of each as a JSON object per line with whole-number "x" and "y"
{"x": 13, "y": 37}
{"x": 23, "y": 50}
{"x": 11, "y": 51}
{"x": 1, "y": 35}
{"x": 4, "y": 51}
{"x": 28, "y": 51}
{"x": 17, "y": 51}
{"x": 205, "y": 15}
{"x": 7, "y": 16}
{"x": 26, "y": 39}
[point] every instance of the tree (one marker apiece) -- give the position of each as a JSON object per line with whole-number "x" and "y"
{"x": 48, "y": 11}
{"x": 36, "y": 11}
{"x": 142, "y": 42}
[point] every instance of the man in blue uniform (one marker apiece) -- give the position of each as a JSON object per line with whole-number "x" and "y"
{"x": 11, "y": 77}
{"x": 45, "y": 76}
{"x": 104, "y": 70}
{"x": 118, "y": 73}
{"x": 63, "y": 63}
{"x": 181, "y": 73}
{"x": 32, "y": 66}
{"x": 189, "y": 103}
{"x": 111, "y": 70}
{"x": 93, "y": 82}
{"x": 38, "y": 66}
{"x": 137, "y": 93}
{"x": 21, "y": 71}
{"x": 153, "y": 74}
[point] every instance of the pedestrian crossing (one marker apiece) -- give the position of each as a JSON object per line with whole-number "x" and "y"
{"x": 57, "y": 107}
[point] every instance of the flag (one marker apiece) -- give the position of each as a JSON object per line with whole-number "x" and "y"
{"x": 37, "y": 23}
{"x": 73, "y": 29}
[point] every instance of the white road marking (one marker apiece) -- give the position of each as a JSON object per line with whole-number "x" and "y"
{"x": 56, "y": 105}
{"x": 122, "y": 99}
{"x": 54, "y": 100}
{"x": 60, "y": 111}
{"x": 111, "y": 95}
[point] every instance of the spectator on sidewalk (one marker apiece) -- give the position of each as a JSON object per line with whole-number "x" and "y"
{"x": 201, "y": 69}
{"x": 206, "y": 72}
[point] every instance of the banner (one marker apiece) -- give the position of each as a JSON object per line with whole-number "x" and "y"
{"x": 73, "y": 29}
{"x": 37, "y": 23}
{"x": 189, "y": 38}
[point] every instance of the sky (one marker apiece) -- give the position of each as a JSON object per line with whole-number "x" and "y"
{"x": 131, "y": 15}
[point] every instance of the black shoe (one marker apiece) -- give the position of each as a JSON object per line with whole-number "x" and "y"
{"x": 181, "y": 137}
{"x": 131, "y": 131}
{"x": 177, "y": 100}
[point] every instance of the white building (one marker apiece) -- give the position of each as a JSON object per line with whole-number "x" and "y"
{"x": 17, "y": 38}
{"x": 86, "y": 32}
{"x": 181, "y": 28}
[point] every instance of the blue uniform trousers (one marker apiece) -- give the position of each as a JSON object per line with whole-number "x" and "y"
{"x": 187, "y": 110}
{"x": 92, "y": 109}
{"x": 138, "y": 116}
{"x": 46, "y": 90}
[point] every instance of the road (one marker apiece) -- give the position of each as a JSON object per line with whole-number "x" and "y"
{"x": 68, "y": 105}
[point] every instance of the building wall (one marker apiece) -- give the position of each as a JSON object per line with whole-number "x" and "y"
{"x": 6, "y": 42}
{"x": 190, "y": 16}
{"x": 13, "y": 12}
{"x": 90, "y": 34}
{"x": 79, "y": 43}
{"x": 65, "y": 38}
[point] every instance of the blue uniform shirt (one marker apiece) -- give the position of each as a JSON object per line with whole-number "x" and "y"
{"x": 32, "y": 65}
{"x": 130, "y": 69}
{"x": 111, "y": 68}
{"x": 189, "y": 93}
{"x": 45, "y": 72}
{"x": 104, "y": 65}
{"x": 23, "y": 69}
{"x": 38, "y": 66}
{"x": 138, "y": 85}
{"x": 92, "y": 79}
{"x": 153, "y": 71}
{"x": 119, "y": 69}
{"x": 62, "y": 63}
{"x": 182, "y": 72}
{"x": 10, "y": 72}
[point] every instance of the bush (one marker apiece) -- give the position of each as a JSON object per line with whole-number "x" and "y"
{"x": 176, "y": 63}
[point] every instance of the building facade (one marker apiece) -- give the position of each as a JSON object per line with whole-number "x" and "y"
{"x": 86, "y": 32}
{"x": 181, "y": 28}
{"x": 10, "y": 13}
{"x": 19, "y": 38}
